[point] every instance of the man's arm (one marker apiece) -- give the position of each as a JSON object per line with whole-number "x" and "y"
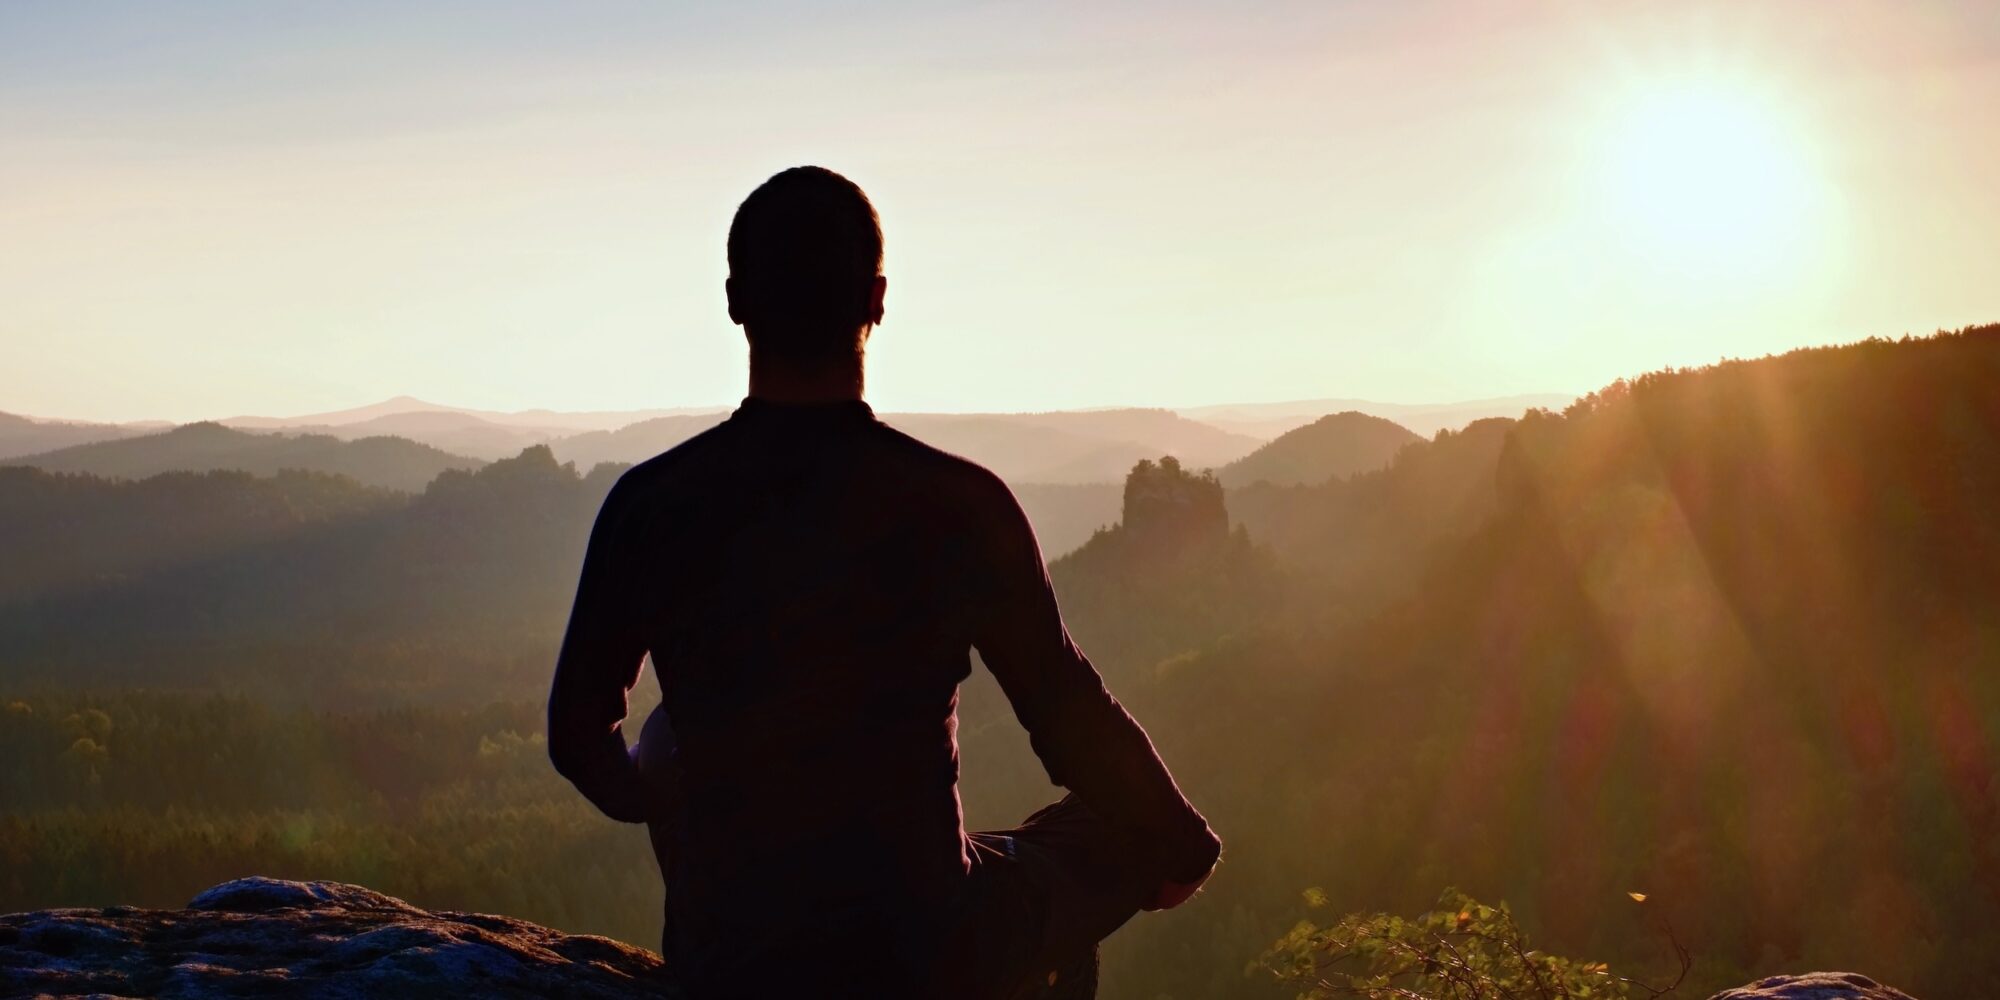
{"x": 602, "y": 654}
{"x": 1084, "y": 737}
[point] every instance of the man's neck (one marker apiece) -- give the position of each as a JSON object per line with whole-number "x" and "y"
{"x": 831, "y": 382}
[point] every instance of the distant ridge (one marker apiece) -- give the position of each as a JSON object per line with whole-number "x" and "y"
{"x": 28, "y": 435}
{"x": 1339, "y": 444}
{"x": 1424, "y": 419}
{"x": 390, "y": 462}
{"x": 1089, "y": 445}
{"x": 483, "y": 434}
{"x": 540, "y": 419}
{"x": 1065, "y": 446}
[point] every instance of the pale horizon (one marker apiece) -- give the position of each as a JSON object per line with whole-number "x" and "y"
{"x": 295, "y": 418}
{"x": 216, "y": 212}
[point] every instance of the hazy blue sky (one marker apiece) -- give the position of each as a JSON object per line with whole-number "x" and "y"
{"x": 222, "y": 208}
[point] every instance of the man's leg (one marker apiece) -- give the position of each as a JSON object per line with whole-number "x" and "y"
{"x": 1042, "y": 896}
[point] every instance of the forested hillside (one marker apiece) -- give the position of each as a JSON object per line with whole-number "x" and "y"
{"x": 64, "y": 533}
{"x": 389, "y": 462}
{"x": 25, "y": 436}
{"x": 446, "y": 430}
{"x": 192, "y": 579}
{"x": 1729, "y": 637}
{"x": 456, "y": 594}
{"x": 1270, "y": 420}
{"x": 1334, "y": 446}
{"x": 1368, "y": 536}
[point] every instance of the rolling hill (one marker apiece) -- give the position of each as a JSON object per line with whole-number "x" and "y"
{"x": 1075, "y": 446}
{"x": 1071, "y": 446}
{"x": 65, "y": 532}
{"x": 29, "y": 436}
{"x": 1339, "y": 444}
{"x": 633, "y": 443}
{"x": 388, "y": 462}
{"x": 1424, "y": 419}
{"x": 488, "y": 435}
{"x": 562, "y": 421}
{"x": 453, "y": 431}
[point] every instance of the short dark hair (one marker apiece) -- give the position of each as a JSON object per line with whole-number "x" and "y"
{"x": 804, "y": 251}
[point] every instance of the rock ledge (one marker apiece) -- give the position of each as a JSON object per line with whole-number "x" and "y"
{"x": 1814, "y": 986}
{"x": 266, "y": 937}
{"x": 273, "y": 938}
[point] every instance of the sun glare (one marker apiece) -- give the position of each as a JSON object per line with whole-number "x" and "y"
{"x": 1705, "y": 176}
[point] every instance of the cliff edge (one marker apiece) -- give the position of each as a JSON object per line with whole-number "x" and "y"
{"x": 272, "y": 938}
{"x": 265, "y": 937}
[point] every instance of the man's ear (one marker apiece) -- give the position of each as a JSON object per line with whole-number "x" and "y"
{"x": 729, "y": 292}
{"x": 875, "y": 296}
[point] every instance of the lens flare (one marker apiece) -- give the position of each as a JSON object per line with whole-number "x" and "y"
{"x": 1706, "y": 175}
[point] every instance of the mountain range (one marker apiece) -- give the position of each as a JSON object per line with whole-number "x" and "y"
{"x": 1725, "y": 638}
{"x": 1067, "y": 446}
{"x": 390, "y": 462}
{"x": 1424, "y": 419}
{"x": 32, "y": 436}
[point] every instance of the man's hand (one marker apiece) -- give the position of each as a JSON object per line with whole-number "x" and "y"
{"x": 658, "y": 771}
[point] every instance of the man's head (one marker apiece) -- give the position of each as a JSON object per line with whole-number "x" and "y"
{"x": 805, "y": 267}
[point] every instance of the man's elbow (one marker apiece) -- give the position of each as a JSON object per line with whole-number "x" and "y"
{"x": 569, "y": 754}
{"x": 567, "y": 761}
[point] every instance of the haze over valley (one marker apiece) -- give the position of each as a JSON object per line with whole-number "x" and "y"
{"x": 1493, "y": 657}
{"x": 1066, "y": 466}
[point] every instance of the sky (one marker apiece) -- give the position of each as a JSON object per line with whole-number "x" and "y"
{"x": 213, "y": 209}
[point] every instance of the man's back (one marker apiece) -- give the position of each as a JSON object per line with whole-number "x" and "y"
{"x": 804, "y": 576}
{"x": 810, "y": 584}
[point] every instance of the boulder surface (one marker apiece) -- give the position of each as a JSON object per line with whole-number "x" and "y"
{"x": 265, "y": 937}
{"x": 268, "y": 937}
{"x": 1814, "y": 986}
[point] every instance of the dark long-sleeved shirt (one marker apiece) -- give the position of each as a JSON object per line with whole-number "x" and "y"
{"x": 809, "y": 583}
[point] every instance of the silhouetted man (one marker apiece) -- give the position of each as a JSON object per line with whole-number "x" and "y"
{"x": 809, "y": 583}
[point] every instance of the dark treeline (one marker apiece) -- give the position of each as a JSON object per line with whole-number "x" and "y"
{"x": 64, "y": 532}
{"x": 455, "y": 594}
{"x": 1725, "y": 636}
{"x": 1336, "y": 445}
{"x": 384, "y": 461}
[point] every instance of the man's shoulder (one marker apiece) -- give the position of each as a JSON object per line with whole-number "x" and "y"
{"x": 963, "y": 476}
{"x": 667, "y": 467}
{"x": 951, "y": 476}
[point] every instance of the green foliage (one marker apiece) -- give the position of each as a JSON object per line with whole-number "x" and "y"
{"x": 1462, "y": 950}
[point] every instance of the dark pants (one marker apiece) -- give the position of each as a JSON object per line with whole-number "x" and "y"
{"x": 1024, "y": 923}
{"x": 1036, "y": 903}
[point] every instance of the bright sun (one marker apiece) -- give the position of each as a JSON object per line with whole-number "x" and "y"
{"x": 1705, "y": 176}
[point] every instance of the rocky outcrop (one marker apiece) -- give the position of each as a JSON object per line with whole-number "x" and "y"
{"x": 1814, "y": 986}
{"x": 1169, "y": 508}
{"x": 263, "y": 937}
{"x": 272, "y": 938}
